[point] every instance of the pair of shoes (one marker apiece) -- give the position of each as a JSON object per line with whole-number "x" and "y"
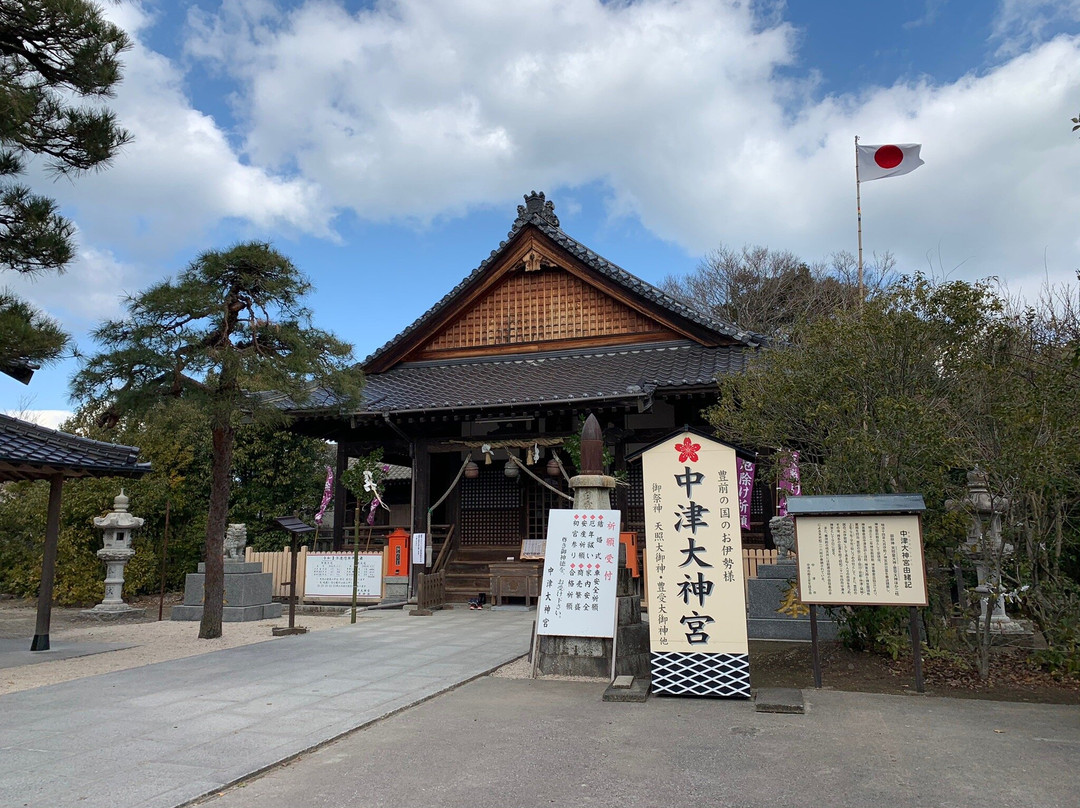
{"x": 475, "y": 607}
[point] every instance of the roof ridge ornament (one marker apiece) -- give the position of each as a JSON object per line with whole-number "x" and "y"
{"x": 536, "y": 204}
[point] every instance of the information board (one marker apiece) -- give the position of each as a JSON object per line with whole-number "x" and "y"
{"x": 419, "y": 549}
{"x": 581, "y": 560}
{"x": 861, "y": 560}
{"x": 330, "y": 575}
{"x": 693, "y": 555}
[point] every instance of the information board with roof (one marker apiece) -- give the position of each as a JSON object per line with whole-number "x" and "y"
{"x": 860, "y": 550}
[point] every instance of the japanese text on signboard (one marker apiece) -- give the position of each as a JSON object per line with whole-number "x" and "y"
{"x": 581, "y": 560}
{"x": 694, "y": 548}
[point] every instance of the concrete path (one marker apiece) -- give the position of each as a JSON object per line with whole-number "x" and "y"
{"x": 504, "y": 743}
{"x": 164, "y": 734}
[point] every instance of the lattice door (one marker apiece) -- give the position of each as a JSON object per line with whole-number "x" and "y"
{"x": 491, "y": 508}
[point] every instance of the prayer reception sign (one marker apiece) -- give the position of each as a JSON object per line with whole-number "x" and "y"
{"x": 581, "y": 561}
{"x": 693, "y": 553}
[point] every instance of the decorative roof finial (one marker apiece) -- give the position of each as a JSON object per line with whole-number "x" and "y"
{"x": 535, "y": 205}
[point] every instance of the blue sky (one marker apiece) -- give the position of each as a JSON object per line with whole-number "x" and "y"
{"x": 385, "y": 146}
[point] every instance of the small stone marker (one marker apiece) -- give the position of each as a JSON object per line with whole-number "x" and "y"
{"x": 779, "y": 700}
{"x": 628, "y": 688}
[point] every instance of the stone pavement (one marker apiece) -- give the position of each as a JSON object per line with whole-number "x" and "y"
{"x": 506, "y": 743}
{"x": 161, "y": 735}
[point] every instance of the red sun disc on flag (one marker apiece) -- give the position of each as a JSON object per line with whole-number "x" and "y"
{"x": 889, "y": 156}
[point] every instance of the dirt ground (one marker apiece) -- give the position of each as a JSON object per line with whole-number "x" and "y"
{"x": 1012, "y": 676}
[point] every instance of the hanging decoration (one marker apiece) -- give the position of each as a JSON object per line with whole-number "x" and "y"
{"x": 789, "y": 483}
{"x": 328, "y": 491}
{"x": 745, "y": 471}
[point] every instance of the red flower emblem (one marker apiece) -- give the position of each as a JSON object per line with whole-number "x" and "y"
{"x": 687, "y": 451}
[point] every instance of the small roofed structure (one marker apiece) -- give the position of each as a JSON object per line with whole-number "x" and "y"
{"x": 32, "y": 452}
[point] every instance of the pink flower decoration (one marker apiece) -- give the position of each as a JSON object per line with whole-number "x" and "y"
{"x": 688, "y": 451}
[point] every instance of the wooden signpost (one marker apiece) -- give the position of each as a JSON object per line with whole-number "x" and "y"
{"x": 693, "y": 557}
{"x": 861, "y": 551}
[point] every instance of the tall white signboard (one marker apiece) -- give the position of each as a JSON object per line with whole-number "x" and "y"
{"x": 693, "y": 553}
{"x": 581, "y": 560}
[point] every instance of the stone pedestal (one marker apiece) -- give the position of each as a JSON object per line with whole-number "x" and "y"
{"x": 395, "y": 588}
{"x": 248, "y": 594}
{"x": 591, "y": 656}
{"x": 773, "y": 613}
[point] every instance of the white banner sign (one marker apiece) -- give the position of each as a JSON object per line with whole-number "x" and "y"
{"x": 330, "y": 575}
{"x": 419, "y": 549}
{"x": 864, "y": 560}
{"x": 581, "y": 562}
{"x": 693, "y": 555}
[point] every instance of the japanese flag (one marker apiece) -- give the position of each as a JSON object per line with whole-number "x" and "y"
{"x": 892, "y": 160}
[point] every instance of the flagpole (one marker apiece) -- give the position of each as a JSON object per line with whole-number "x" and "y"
{"x": 858, "y": 213}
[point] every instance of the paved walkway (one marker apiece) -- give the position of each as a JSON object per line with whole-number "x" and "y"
{"x": 164, "y": 734}
{"x": 506, "y": 743}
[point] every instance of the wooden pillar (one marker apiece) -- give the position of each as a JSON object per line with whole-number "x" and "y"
{"x": 48, "y": 567}
{"x": 421, "y": 498}
{"x": 620, "y": 466}
{"x": 339, "y": 497}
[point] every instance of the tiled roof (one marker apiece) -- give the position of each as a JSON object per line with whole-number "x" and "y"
{"x": 32, "y": 452}
{"x": 540, "y": 213}
{"x": 556, "y": 377}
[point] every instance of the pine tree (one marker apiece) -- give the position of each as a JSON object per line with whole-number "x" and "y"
{"x": 232, "y": 323}
{"x": 54, "y": 55}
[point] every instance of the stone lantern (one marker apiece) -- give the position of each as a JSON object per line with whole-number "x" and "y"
{"x": 118, "y": 526}
{"x": 984, "y": 545}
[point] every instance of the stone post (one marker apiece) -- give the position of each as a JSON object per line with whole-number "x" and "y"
{"x": 118, "y": 525}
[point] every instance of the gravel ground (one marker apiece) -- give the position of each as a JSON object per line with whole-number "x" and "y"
{"x": 153, "y": 642}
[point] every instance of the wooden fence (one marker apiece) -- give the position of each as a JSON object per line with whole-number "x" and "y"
{"x": 752, "y": 557}
{"x": 430, "y": 591}
{"x": 278, "y": 564}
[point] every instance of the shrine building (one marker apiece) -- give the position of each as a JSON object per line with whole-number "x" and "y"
{"x": 510, "y": 362}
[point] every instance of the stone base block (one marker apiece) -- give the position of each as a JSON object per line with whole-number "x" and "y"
{"x": 395, "y": 588}
{"x": 637, "y": 692}
{"x": 237, "y": 567}
{"x": 784, "y": 628}
{"x": 111, "y": 615}
{"x": 765, "y": 596}
{"x": 779, "y": 700}
{"x": 241, "y": 589}
{"x": 632, "y": 651}
{"x": 575, "y": 656}
{"x": 231, "y": 614}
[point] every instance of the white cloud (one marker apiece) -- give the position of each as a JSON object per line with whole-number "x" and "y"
{"x": 1018, "y": 24}
{"x": 180, "y": 176}
{"x": 91, "y": 290}
{"x": 415, "y": 109}
{"x": 47, "y": 418}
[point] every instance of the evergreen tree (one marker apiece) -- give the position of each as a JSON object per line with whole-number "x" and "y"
{"x": 231, "y": 323}
{"x": 54, "y": 54}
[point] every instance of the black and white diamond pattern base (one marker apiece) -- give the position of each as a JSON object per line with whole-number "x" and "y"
{"x": 683, "y": 674}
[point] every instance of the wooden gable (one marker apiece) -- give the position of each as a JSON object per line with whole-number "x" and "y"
{"x": 544, "y": 309}
{"x": 538, "y": 297}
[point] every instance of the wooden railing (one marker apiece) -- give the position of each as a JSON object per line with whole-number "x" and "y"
{"x": 430, "y": 591}
{"x": 449, "y": 544}
{"x": 752, "y": 557}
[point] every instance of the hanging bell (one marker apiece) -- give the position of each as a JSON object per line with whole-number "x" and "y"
{"x": 553, "y": 468}
{"x": 472, "y": 471}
